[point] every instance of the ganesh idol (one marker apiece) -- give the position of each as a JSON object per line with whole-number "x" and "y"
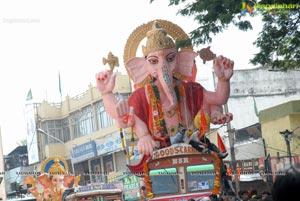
{"x": 164, "y": 100}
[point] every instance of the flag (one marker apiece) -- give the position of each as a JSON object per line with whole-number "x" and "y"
{"x": 221, "y": 145}
{"x": 29, "y": 95}
{"x": 255, "y": 107}
{"x": 59, "y": 84}
{"x": 203, "y": 124}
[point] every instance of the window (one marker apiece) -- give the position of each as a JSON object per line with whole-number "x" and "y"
{"x": 66, "y": 136}
{"x": 103, "y": 118}
{"x": 82, "y": 122}
{"x": 165, "y": 181}
{"x": 58, "y": 129}
{"x": 200, "y": 177}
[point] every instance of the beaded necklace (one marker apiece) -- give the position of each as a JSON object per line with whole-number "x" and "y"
{"x": 123, "y": 143}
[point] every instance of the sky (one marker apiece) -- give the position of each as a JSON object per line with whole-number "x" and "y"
{"x": 40, "y": 39}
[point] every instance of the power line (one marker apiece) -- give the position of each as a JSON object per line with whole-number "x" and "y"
{"x": 295, "y": 128}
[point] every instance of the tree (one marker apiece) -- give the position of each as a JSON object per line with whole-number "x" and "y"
{"x": 277, "y": 42}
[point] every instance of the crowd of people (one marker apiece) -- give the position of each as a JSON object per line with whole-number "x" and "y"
{"x": 243, "y": 195}
{"x": 284, "y": 188}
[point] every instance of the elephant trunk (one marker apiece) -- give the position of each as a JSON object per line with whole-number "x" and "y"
{"x": 166, "y": 81}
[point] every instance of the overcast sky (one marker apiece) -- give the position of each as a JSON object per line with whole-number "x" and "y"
{"x": 38, "y": 39}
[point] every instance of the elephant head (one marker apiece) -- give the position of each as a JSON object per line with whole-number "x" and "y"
{"x": 162, "y": 62}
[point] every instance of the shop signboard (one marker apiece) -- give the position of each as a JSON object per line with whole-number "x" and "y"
{"x": 131, "y": 187}
{"x": 108, "y": 144}
{"x": 84, "y": 152}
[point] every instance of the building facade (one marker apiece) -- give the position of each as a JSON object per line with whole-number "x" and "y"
{"x": 281, "y": 129}
{"x": 261, "y": 89}
{"x": 80, "y": 130}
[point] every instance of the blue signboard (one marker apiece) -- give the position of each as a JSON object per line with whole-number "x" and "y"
{"x": 109, "y": 144}
{"x": 84, "y": 152}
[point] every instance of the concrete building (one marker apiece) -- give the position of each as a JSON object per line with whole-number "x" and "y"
{"x": 255, "y": 94}
{"x": 254, "y": 90}
{"x": 281, "y": 129}
{"x": 267, "y": 88}
{"x": 80, "y": 130}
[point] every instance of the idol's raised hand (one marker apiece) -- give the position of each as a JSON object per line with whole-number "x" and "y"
{"x": 223, "y": 68}
{"x": 105, "y": 81}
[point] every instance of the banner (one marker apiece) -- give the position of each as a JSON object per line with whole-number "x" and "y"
{"x": 84, "y": 152}
{"x": 109, "y": 143}
{"x": 32, "y": 142}
{"x": 131, "y": 186}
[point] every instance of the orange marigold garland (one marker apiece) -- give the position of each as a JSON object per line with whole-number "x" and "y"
{"x": 217, "y": 183}
{"x": 148, "y": 181}
{"x": 159, "y": 125}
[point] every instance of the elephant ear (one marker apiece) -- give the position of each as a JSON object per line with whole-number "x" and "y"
{"x": 68, "y": 179}
{"x": 44, "y": 180}
{"x": 185, "y": 63}
{"x": 137, "y": 70}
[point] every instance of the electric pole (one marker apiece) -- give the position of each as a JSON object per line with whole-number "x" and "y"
{"x": 232, "y": 152}
{"x": 287, "y": 137}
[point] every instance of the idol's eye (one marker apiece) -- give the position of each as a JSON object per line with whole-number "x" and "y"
{"x": 153, "y": 60}
{"x": 171, "y": 57}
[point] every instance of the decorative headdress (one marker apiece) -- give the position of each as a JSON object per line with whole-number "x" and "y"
{"x": 56, "y": 168}
{"x": 157, "y": 39}
{"x": 157, "y": 29}
{"x": 55, "y": 165}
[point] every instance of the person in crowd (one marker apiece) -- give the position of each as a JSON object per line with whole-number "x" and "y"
{"x": 179, "y": 137}
{"x": 266, "y": 195}
{"x": 143, "y": 194}
{"x": 243, "y": 195}
{"x": 203, "y": 143}
{"x": 286, "y": 187}
{"x": 253, "y": 194}
{"x": 228, "y": 196}
{"x": 213, "y": 197}
{"x": 226, "y": 180}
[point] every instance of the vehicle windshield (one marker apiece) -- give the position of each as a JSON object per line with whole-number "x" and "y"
{"x": 164, "y": 181}
{"x": 200, "y": 177}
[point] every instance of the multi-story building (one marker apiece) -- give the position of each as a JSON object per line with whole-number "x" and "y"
{"x": 80, "y": 130}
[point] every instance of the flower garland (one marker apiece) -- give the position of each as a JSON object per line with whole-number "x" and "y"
{"x": 156, "y": 113}
{"x": 148, "y": 183}
{"x": 160, "y": 132}
{"x": 217, "y": 182}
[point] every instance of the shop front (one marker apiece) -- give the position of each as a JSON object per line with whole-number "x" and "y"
{"x": 80, "y": 156}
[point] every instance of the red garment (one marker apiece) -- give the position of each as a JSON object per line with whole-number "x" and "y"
{"x": 138, "y": 100}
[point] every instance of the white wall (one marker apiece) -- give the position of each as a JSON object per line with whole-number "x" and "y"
{"x": 269, "y": 89}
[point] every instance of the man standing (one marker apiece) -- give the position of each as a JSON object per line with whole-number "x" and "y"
{"x": 179, "y": 137}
